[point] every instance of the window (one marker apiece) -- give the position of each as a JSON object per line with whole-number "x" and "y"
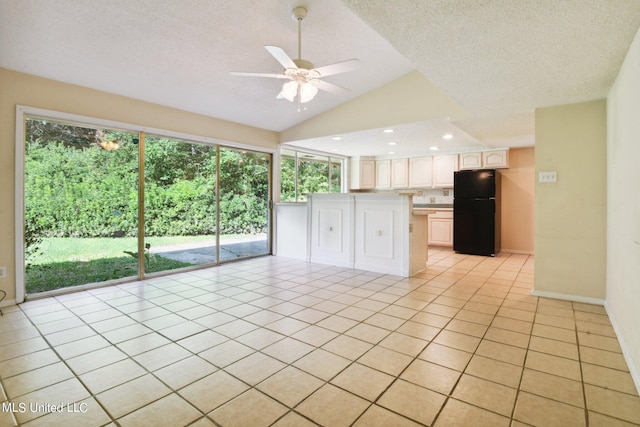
{"x": 303, "y": 173}
{"x": 108, "y": 203}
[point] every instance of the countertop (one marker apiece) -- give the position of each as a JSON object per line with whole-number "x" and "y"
{"x": 432, "y": 206}
{"x": 423, "y": 212}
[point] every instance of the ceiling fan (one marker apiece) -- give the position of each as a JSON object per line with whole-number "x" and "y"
{"x": 304, "y": 79}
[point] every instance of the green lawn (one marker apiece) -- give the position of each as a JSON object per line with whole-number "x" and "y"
{"x": 56, "y": 275}
{"x": 65, "y": 262}
{"x": 61, "y": 249}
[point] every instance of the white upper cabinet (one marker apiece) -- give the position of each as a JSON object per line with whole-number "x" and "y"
{"x": 383, "y": 174}
{"x": 362, "y": 174}
{"x": 421, "y": 172}
{"x": 495, "y": 159}
{"x": 400, "y": 173}
{"x": 443, "y": 169}
{"x": 470, "y": 160}
{"x": 367, "y": 174}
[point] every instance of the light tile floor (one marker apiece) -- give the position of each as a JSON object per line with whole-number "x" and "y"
{"x": 273, "y": 341}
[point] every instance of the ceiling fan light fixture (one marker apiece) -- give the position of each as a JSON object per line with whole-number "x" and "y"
{"x": 305, "y": 79}
{"x": 307, "y": 92}
{"x": 289, "y": 91}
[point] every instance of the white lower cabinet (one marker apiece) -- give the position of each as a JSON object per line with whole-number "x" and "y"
{"x": 371, "y": 232}
{"x": 441, "y": 228}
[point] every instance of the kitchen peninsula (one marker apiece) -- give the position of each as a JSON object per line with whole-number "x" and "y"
{"x": 378, "y": 232}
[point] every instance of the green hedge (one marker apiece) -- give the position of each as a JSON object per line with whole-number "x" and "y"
{"x": 85, "y": 191}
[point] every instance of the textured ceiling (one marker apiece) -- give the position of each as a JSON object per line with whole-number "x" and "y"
{"x": 501, "y": 59}
{"x": 180, "y": 53}
{"x": 504, "y": 56}
{"x": 498, "y": 59}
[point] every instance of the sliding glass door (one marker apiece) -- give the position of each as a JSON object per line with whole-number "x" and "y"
{"x": 80, "y": 205}
{"x": 105, "y": 204}
{"x": 244, "y": 203}
{"x": 180, "y": 210}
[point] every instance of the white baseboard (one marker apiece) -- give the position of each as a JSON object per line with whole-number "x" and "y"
{"x": 516, "y": 251}
{"x": 568, "y": 297}
{"x": 633, "y": 368}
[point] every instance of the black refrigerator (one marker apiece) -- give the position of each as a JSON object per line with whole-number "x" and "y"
{"x": 476, "y": 212}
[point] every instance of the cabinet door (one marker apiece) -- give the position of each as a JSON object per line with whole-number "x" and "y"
{"x": 367, "y": 174}
{"x": 443, "y": 168}
{"x": 400, "y": 173}
{"x": 420, "y": 171}
{"x": 496, "y": 159}
{"x": 440, "y": 231}
{"x": 470, "y": 160}
{"x": 383, "y": 173}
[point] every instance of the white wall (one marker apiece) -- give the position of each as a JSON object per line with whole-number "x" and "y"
{"x": 623, "y": 207}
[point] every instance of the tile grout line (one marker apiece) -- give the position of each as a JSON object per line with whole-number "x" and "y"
{"x": 352, "y": 361}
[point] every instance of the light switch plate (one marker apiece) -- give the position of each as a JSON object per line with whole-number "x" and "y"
{"x": 3, "y": 272}
{"x": 548, "y": 176}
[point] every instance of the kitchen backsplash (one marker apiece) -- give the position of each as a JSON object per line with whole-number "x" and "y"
{"x": 434, "y": 195}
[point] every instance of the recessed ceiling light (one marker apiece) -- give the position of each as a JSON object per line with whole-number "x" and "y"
{"x": 391, "y": 152}
{"x": 335, "y": 149}
{"x": 434, "y": 148}
{"x": 447, "y": 136}
{"x": 393, "y": 143}
{"x": 388, "y": 131}
{"x": 337, "y": 138}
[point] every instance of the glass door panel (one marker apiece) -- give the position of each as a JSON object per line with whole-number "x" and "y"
{"x": 244, "y": 203}
{"x": 80, "y": 206}
{"x": 180, "y": 204}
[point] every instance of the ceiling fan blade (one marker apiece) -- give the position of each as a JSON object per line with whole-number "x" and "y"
{"x": 281, "y": 56}
{"x": 271, "y": 75}
{"x": 339, "y": 67}
{"x": 331, "y": 88}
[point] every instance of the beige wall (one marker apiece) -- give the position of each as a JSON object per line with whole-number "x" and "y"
{"x": 623, "y": 207}
{"x": 570, "y": 214}
{"x": 517, "y": 201}
{"x": 22, "y": 89}
{"x": 409, "y": 99}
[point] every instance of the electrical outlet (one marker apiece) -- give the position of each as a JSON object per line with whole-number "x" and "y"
{"x": 3, "y": 272}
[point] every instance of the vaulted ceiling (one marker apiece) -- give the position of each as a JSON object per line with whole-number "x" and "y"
{"x": 494, "y": 61}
